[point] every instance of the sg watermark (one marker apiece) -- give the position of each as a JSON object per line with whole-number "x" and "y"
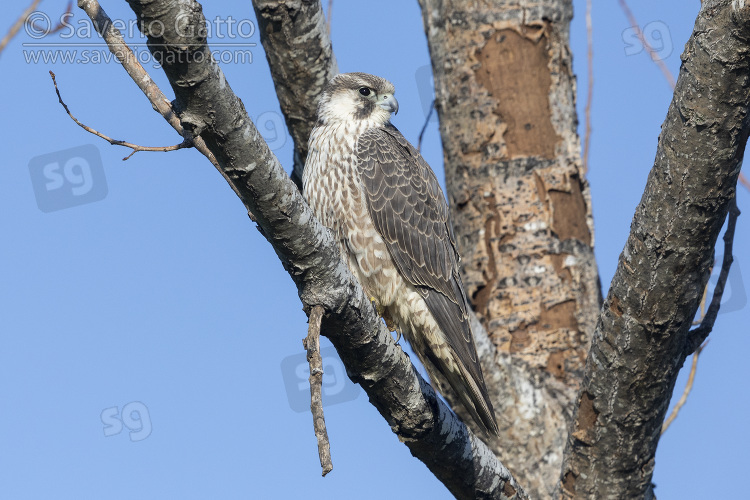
{"x": 337, "y": 388}
{"x": 734, "y": 297}
{"x": 426, "y": 90}
{"x": 656, "y": 34}
{"x": 68, "y": 178}
{"x": 134, "y": 416}
{"x": 75, "y": 176}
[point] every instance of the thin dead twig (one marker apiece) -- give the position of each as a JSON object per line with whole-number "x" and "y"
{"x": 312, "y": 345}
{"x": 590, "y": 89}
{"x": 424, "y": 127}
{"x": 698, "y": 335}
{"x": 60, "y": 25}
{"x": 651, "y": 52}
{"x": 663, "y": 67}
{"x": 13, "y": 31}
{"x": 115, "y": 142}
{"x": 703, "y": 303}
{"x": 743, "y": 180}
{"x": 125, "y": 56}
{"x": 330, "y": 14}
{"x": 686, "y": 392}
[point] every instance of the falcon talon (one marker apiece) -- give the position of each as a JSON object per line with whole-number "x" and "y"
{"x": 382, "y": 201}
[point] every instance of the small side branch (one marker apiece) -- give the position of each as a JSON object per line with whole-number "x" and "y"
{"x": 135, "y": 147}
{"x": 590, "y": 86}
{"x": 686, "y": 392}
{"x": 744, "y": 181}
{"x": 312, "y": 344}
{"x": 125, "y": 56}
{"x": 59, "y": 26}
{"x": 13, "y": 31}
{"x": 330, "y": 15}
{"x": 651, "y": 52}
{"x": 424, "y": 127}
{"x": 698, "y": 335}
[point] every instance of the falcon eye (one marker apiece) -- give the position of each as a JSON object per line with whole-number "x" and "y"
{"x": 364, "y": 91}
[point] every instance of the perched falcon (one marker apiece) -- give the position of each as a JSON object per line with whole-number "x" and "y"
{"x": 385, "y": 207}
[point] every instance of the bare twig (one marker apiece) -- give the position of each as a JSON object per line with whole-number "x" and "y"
{"x": 328, "y": 18}
{"x": 703, "y": 303}
{"x": 135, "y": 147}
{"x": 698, "y": 335}
{"x": 424, "y": 127}
{"x": 125, "y": 56}
{"x": 590, "y": 90}
{"x": 686, "y": 392}
{"x": 651, "y": 52}
{"x": 13, "y": 31}
{"x": 312, "y": 344}
{"x": 60, "y": 25}
{"x": 743, "y": 180}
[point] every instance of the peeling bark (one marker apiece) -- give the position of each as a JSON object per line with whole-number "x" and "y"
{"x": 641, "y": 339}
{"x": 505, "y": 95}
{"x": 207, "y": 106}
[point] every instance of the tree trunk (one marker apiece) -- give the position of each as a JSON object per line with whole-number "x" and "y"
{"x": 505, "y": 95}
{"x": 643, "y": 336}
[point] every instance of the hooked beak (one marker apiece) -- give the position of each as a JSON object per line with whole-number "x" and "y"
{"x": 388, "y": 103}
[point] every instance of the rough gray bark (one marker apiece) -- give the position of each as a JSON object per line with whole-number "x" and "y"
{"x": 208, "y": 107}
{"x": 299, "y": 53}
{"x": 505, "y": 95}
{"x": 642, "y": 337}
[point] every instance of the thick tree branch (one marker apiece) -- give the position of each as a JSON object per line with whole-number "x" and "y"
{"x": 209, "y": 109}
{"x": 643, "y": 330}
{"x": 298, "y": 48}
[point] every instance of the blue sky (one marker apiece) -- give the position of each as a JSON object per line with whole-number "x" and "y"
{"x": 150, "y": 341}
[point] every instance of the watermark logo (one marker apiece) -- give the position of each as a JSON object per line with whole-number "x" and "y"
{"x": 134, "y": 416}
{"x": 337, "y": 388}
{"x": 76, "y": 41}
{"x": 39, "y": 24}
{"x": 272, "y": 128}
{"x": 426, "y": 89}
{"x": 656, "y": 34}
{"x": 734, "y": 297}
{"x": 68, "y": 178}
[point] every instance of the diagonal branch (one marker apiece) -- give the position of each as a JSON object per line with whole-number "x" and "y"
{"x": 699, "y": 334}
{"x": 135, "y": 147}
{"x": 686, "y": 392}
{"x": 210, "y": 110}
{"x": 125, "y": 56}
{"x": 13, "y": 31}
{"x": 642, "y": 337}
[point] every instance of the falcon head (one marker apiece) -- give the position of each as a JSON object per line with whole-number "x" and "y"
{"x": 357, "y": 96}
